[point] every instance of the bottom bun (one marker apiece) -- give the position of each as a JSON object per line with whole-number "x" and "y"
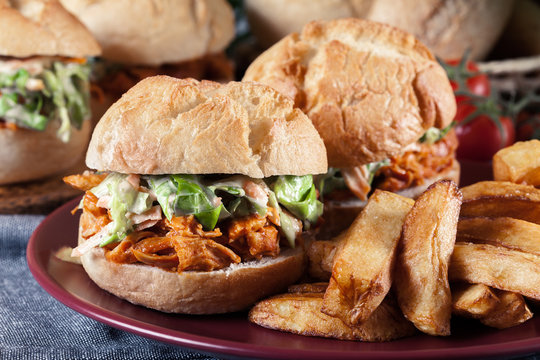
{"x": 30, "y": 155}
{"x": 339, "y": 215}
{"x": 195, "y": 292}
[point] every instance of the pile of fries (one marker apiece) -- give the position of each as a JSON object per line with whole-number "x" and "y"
{"x": 407, "y": 265}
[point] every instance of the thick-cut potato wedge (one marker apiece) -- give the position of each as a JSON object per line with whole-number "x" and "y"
{"x": 320, "y": 255}
{"x": 498, "y": 267}
{"x": 301, "y": 314}
{"x": 519, "y": 163}
{"x": 499, "y": 199}
{"x": 511, "y": 311}
{"x": 427, "y": 242}
{"x": 319, "y": 287}
{"x": 504, "y": 231}
{"x": 361, "y": 274}
{"x": 532, "y": 177}
{"x": 473, "y": 300}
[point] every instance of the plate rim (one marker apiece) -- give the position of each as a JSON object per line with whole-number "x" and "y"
{"x": 235, "y": 348}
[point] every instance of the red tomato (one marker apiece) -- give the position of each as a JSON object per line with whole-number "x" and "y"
{"x": 477, "y": 83}
{"x": 480, "y": 138}
{"x": 528, "y": 126}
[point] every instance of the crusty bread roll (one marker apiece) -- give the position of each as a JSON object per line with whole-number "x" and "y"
{"x": 233, "y": 288}
{"x": 369, "y": 89}
{"x": 272, "y": 20}
{"x": 29, "y": 154}
{"x": 153, "y": 32}
{"x": 339, "y": 215}
{"x": 165, "y": 125}
{"x": 42, "y": 27}
{"x": 447, "y": 27}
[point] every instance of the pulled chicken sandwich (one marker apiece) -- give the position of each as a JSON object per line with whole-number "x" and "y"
{"x": 44, "y": 89}
{"x": 201, "y": 195}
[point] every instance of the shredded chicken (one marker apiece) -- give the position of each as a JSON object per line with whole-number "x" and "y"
{"x": 203, "y": 254}
{"x": 8, "y": 125}
{"x": 181, "y": 244}
{"x": 253, "y": 237}
{"x": 85, "y": 181}
{"x": 188, "y": 226}
{"x": 158, "y": 251}
{"x": 95, "y": 218}
{"x": 215, "y": 67}
{"x": 356, "y": 179}
{"x": 413, "y": 167}
{"x": 122, "y": 252}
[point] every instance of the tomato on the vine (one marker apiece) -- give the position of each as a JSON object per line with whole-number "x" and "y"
{"x": 480, "y": 138}
{"x": 481, "y": 127}
{"x": 528, "y": 126}
{"x": 464, "y": 77}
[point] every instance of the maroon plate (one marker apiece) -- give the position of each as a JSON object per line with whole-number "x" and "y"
{"x": 232, "y": 334}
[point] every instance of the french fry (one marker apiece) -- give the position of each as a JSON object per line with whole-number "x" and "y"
{"x": 532, "y": 177}
{"x": 510, "y": 311}
{"x": 473, "y": 300}
{"x": 501, "y": 199}
{"x": 319, "y": 287}
{"x": 300, "y": 314}
{"x": 361, "y": 273}
{"x": 427, "y": 242}
{"x": 498, "y": 267}
{"x": 320, "y": 255}
{"x": 504, "y": 231}
{"x": 519, "y": 163}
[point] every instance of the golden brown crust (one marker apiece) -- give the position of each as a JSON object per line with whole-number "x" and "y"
{"x": 204, "y": 127}
{"x": 195, "y": 292}
{"x": 159, "y": 31}
{"x": 30, "y": 155}
{"x": 43, "y": 27}
{"x": 369, "y": 89}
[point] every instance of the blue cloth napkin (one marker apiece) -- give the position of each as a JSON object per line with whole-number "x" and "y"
{"x": 34, "y": 325}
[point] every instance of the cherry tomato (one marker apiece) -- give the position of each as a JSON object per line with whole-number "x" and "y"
{"x": 528, "y": 126}
{"x": 477, "y": 83}
{"x": 480, "y": 138}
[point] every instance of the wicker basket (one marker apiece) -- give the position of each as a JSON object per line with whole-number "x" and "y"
{"x": 516, "y": 77}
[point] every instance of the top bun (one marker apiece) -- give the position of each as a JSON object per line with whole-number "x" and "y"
{"x": 42, "y": 27}
{"x": 154, "y": 32}
{"x": 370, "y": 89}
{"x": 165, "y": 125}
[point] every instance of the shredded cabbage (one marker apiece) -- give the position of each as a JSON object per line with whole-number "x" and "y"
{"x": 65, "y": 97}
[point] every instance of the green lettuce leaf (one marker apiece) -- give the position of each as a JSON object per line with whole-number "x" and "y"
{"x": 299, "y": 196}
{"x": 433, "y": 134}
{"x": 329, "y": 182}
{"x": 185, "y": 195}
